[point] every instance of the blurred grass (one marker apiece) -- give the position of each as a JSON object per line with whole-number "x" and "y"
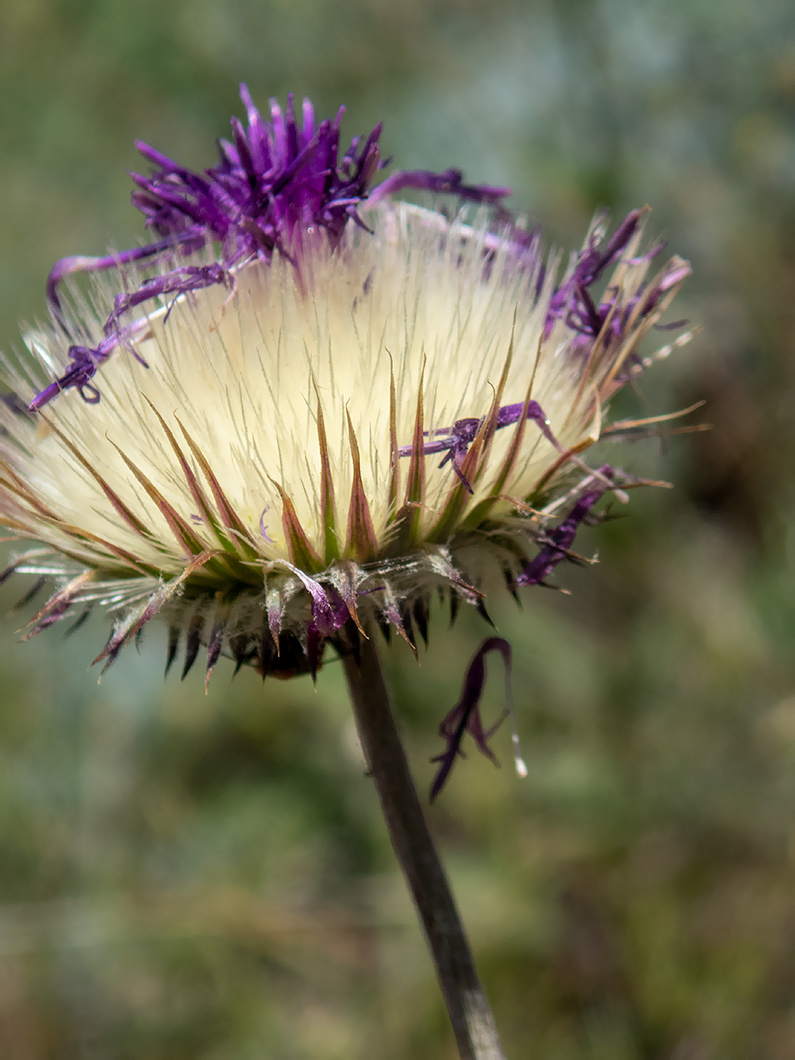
{"x": 185, "y": 876}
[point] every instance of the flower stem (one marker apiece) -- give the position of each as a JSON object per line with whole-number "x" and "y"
{"x": 467, "y": 1006}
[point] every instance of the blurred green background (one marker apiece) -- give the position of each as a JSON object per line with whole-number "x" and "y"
{"x": 188, "y": 876}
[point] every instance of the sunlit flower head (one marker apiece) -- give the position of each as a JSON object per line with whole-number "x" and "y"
{"x": 306, "y": 404}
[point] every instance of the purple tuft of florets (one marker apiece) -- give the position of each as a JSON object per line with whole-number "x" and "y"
{"x": 574, "y": 303}
{"x": 276, "y": 184}
{"x": 273, "y": 181}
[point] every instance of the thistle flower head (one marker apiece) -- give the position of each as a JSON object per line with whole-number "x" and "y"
{"x": 305, "y": 403}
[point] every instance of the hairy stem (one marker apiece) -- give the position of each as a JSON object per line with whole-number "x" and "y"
{"x": 468, "y": 1008}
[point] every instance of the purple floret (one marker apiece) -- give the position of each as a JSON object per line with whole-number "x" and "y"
{"x": 455, "y": 441}
{"x": 451, "y": 182}
{"x": 556, "y": 544}
{"x": 85, "y": 360}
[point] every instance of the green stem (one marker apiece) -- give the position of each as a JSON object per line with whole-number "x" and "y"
{"x": 467, "y": 1006}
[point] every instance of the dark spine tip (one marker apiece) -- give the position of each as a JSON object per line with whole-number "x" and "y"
{"x": 193, "y": 644}
{"x": 173, "y": 648}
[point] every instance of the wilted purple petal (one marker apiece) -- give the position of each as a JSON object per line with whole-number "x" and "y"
{"x": 465, "y": 715}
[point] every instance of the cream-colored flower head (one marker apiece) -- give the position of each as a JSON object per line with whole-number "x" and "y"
{"x": 307, "y": 402}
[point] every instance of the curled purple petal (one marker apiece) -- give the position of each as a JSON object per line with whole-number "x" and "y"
{"x": 465, "y": 715}
{"x": 78, "y": 374}
{"x": 573, "y": 302}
